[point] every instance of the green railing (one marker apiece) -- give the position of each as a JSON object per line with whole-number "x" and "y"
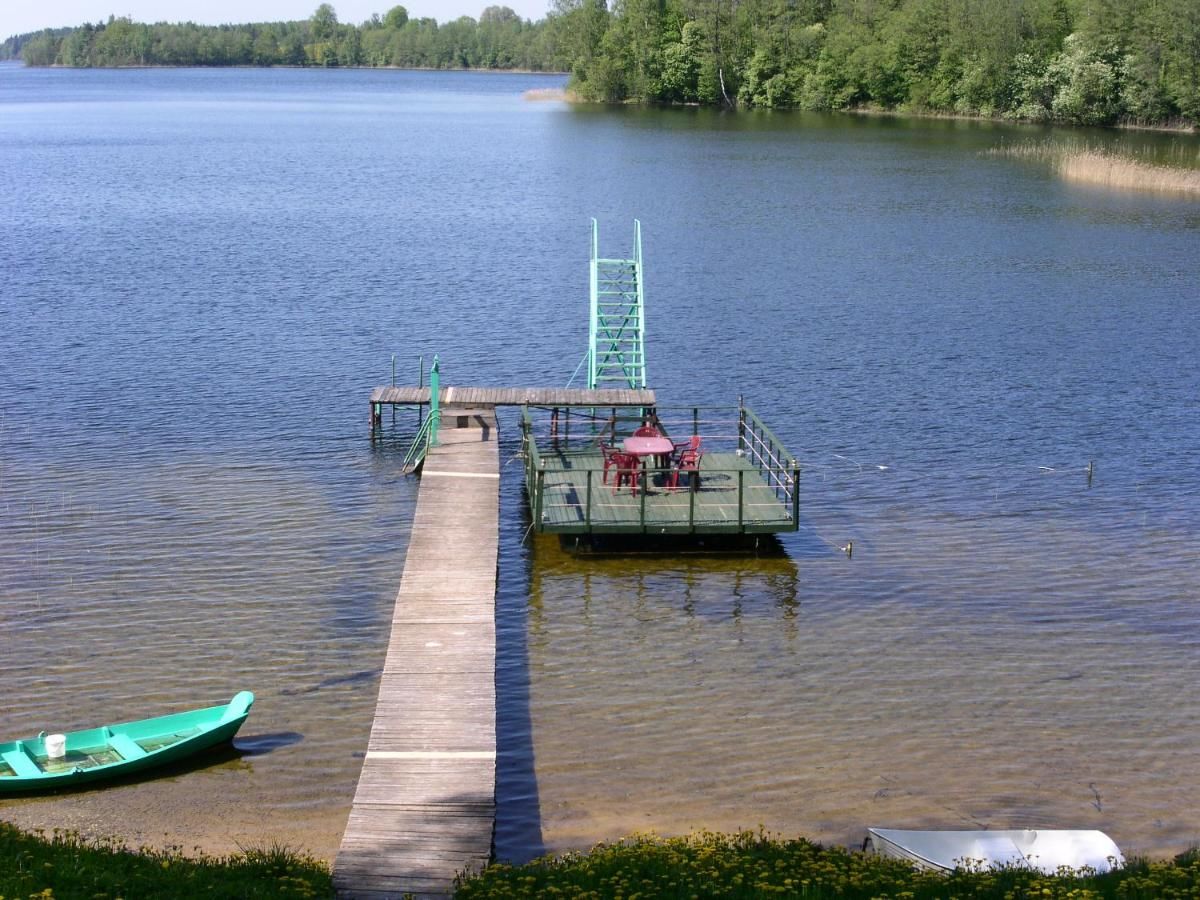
{"x": 419, "y": 447}
{"x": 766, "y": 452}
{"x": 427, "y": 434}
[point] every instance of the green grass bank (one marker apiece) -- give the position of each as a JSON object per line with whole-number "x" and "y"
{"x": 701, "y": 865}
{"x": 754, "y": 865}
{"x": 67, "y": 866}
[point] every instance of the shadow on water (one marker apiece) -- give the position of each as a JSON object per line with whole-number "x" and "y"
{"x": 262, "y": 744}
{"x": 715, "y": 580}
{"x": 518, "y": 836}
{"x": 366, "y": 676}
{"x": 631, "y": 585}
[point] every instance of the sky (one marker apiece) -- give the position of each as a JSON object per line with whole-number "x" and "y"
{"x": 20, "y": 16}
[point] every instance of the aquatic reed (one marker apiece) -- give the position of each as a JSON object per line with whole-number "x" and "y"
{"x": 1094, "y": 167}
{"x": 544, "y": 94}
{"x": 1090, "y": 165}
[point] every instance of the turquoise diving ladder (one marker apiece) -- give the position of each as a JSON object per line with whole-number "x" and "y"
{"x": 616, "y": 347}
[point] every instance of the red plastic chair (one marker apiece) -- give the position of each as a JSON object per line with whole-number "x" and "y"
{"x": 689, "y": 462}
{"x": 647, "y": 431}
{"x": 629, "y": 468}
{"x": 610, "y": 459}
{"x": 692, "y": 443}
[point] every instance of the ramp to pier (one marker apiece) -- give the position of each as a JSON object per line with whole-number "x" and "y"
{"x": 425, "y": 805}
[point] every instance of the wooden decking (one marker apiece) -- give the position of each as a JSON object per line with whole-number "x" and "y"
{"x": 425, "y": 805}
{"x": 514, "y": 396}
{"x": 733, "y": 497}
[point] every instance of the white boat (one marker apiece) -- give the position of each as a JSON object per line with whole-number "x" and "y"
{"x": 1044, "y": 850}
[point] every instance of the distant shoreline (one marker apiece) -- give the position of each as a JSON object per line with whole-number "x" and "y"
{"x": 570, "y": 97}
{"x": 493, "y": 71}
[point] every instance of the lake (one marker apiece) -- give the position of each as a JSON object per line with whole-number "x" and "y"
{"x": 205, "y": 272}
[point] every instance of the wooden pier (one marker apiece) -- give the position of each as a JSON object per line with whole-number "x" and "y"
{"x": 490, "y": 397}
{"x": 425, "y": 805}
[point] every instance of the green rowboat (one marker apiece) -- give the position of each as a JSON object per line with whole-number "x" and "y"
{"x": 113, "y": 750}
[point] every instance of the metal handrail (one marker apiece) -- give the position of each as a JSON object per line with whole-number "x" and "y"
{"x": 419, "y": 447}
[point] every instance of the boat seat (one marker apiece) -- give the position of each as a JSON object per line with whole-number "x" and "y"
{"x": 126, "y": 746}
{"x": 19, "y": 762}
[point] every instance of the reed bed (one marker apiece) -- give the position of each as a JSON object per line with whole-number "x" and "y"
{"x": 1090, "y": 165}
{"x": 542, "y": 95}
{"x": 1114, "y": 172}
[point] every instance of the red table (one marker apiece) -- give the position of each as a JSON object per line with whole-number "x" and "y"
{"x": 648, "y": 446}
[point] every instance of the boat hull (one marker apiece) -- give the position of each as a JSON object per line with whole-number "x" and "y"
{"x": 126, "y": 748}
{"x": 1045, "y": 850}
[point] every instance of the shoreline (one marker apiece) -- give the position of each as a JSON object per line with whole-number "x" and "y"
{"x": 869, "y": 111}
{"x": 140, "y": 66}
{"x": 1179, "y": 128}
{"x": 568, "y": 96}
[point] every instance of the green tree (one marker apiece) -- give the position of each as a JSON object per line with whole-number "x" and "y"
{"x": 323, "y": 23}
{"x": 397, "y": 17}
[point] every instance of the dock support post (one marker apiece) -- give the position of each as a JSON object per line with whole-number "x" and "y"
{"x": 642, "y": 478}
{"x": 741, "y": 422}
{"x": 539, "y": 494}
{"x": 692, "y": 502}
{"x": 587, "y": 512}
{"x": 795, "y": 493}
{"x": 741, "y": 497}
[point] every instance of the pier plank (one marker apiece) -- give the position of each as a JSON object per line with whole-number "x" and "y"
{"x": 425, "y": 804}
{"x": 513, "y": 396}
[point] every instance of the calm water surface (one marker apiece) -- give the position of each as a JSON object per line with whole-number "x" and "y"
{"x": 205, "y": 273}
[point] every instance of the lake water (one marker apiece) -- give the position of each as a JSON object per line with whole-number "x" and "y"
{"x": 206, "y": 272}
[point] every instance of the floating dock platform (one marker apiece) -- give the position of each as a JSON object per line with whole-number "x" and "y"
{"x": 747, "y": 482}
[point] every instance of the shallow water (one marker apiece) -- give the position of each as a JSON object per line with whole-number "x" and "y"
{"x": 205, "y": 272}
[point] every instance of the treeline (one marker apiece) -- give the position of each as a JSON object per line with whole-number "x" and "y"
{"x": 1088, "y": 62}
{"x": 1078, "y": 61}
{"x": 500, "y": 39}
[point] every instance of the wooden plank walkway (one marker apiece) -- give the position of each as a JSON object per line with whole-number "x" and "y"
{"x": 425, "y": 805}
{"x": 518, "y": 396}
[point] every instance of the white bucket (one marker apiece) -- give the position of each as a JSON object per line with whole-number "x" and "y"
{"x": 56, "y": 746}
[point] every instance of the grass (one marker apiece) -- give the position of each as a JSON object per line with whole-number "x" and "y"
{"x": 702, "y": 865}
{"x": 755, "y": 865}
{"x": 66, "y": 866}
{"x": 1102, "y": 167}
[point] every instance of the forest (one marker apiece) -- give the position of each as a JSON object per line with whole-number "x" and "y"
{"x": 499, "y": 39}
{"x": 1088, "y": 62}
